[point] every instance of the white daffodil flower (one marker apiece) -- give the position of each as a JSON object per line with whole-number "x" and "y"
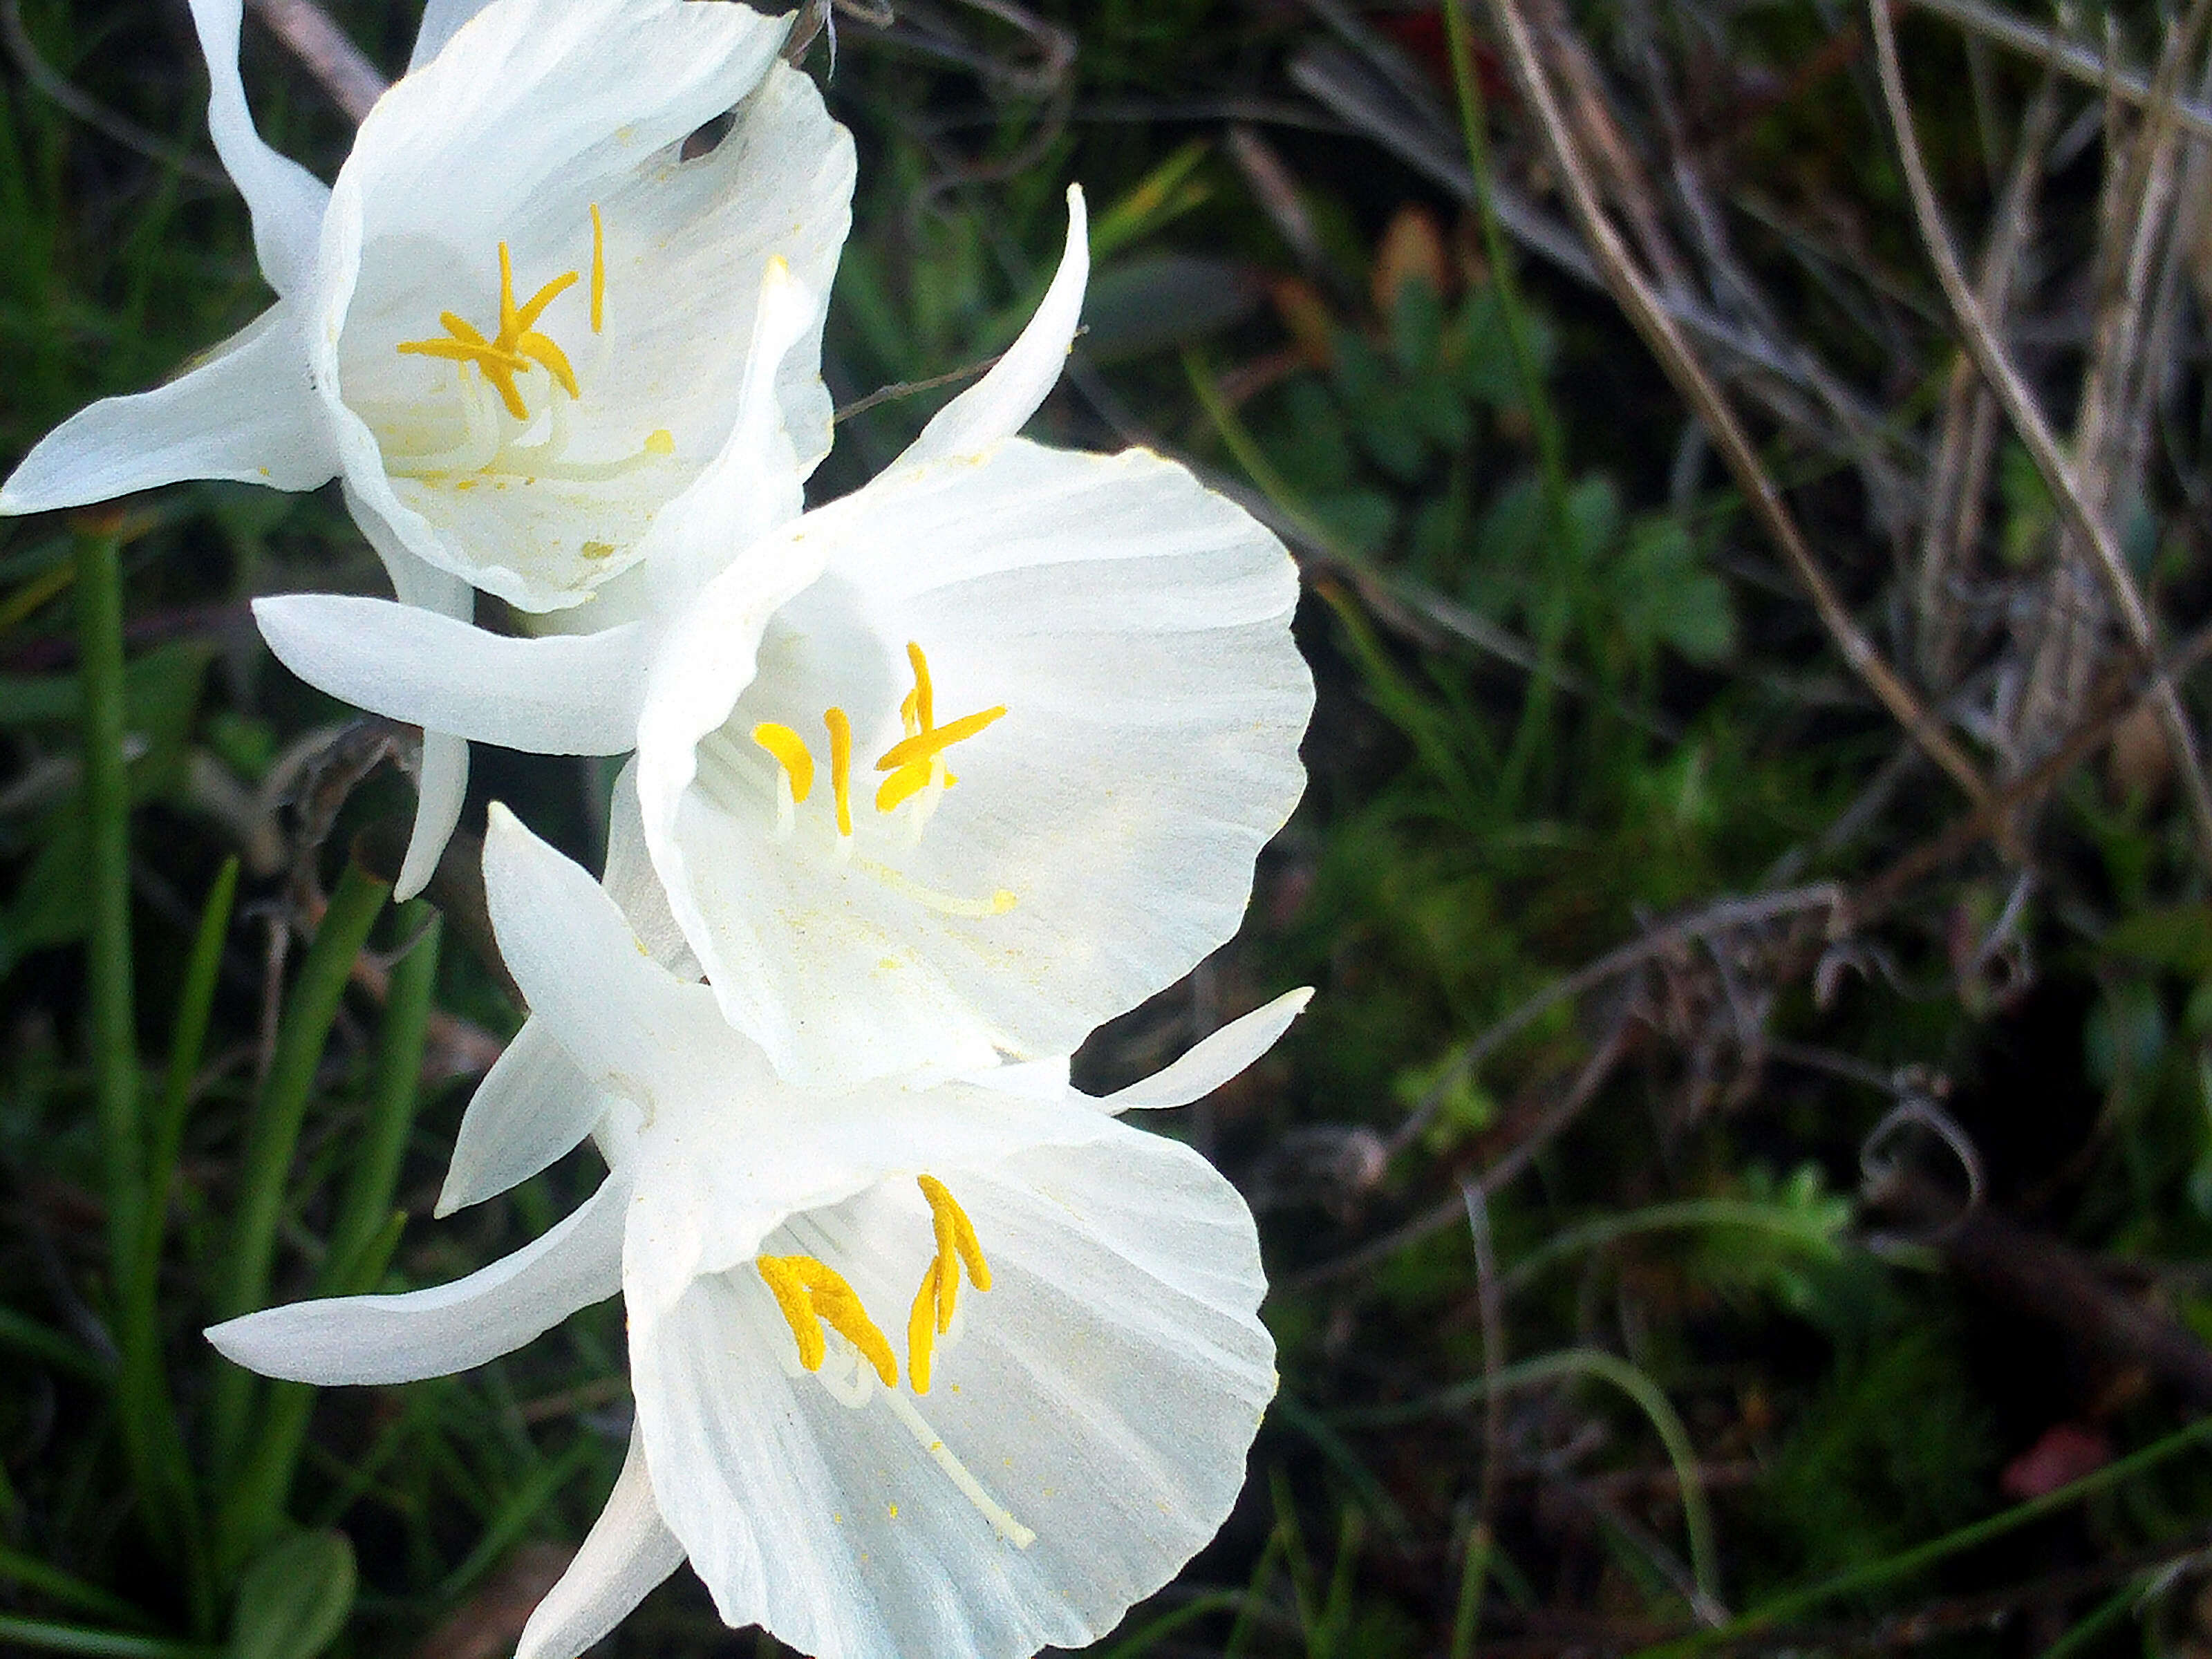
{"x": 960, "y": 1370}
{"x": 948, "y": 771}
{"x": 517, "y": 325}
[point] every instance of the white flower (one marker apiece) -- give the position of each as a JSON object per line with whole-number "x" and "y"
{"x": 517, "y": 325}
{"x": 957, "y": 1370}
{"x": 952, "y": 769}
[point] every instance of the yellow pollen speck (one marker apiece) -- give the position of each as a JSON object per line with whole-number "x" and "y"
{"x": 466, "y": 484}
{"x": 598, "y": 270}
{"x": 599, "y": 550}
{"x": 894, "y": 1510}
{"x": 660, "y": 443}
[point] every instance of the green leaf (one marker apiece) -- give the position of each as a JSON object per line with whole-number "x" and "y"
{"x": 295, "y": 1598}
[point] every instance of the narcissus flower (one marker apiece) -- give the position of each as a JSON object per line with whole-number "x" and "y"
{"x": 960, "y": 1370}
{"x": 948, "y": 771}
{"x": 517, "y": 325}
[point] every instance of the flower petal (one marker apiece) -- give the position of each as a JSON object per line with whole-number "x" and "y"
{"x": 565, "y": 693}
{"x": 448, "y": 1328}
{"x": 1135, "y": 629}
{"x": 1102, "y": 1393}
{"x": 286, "y": 201}
{"x": 998, "y": 404}
{"x": 442, "y": 20}
{"x": 1214, "y": 1059}
{"x": 441, "y": 783}
{"x": 581, "y": 967}
{"x": 530, "y": 1110}
{"x": 633, "y": 885}
{"x": 628, "y": 1551}
{"x": 246, "y": 412}
{"x": 439, "y": 179}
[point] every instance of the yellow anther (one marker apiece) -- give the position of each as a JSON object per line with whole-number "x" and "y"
{"x": 598, "y": 270}
{"x": 812, "y": 1295}
{"x": 902, "y": 785}
{"x": 932, "y": 738}
{"x": 841, "y": 765}
{"x": 922, "y": 1329}
{"x": 935, "y": 1302}
{"x": 530, "y": 310}
{"x": 791, "y": 754}
{"x": 924, "y": 706}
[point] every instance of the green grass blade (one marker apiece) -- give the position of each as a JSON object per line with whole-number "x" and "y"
{"x": 51, "y": 1581}
{"x": 273, "y": 1135}
{"x": 40, "y": 1636}
{"x": 366, "y": 1204}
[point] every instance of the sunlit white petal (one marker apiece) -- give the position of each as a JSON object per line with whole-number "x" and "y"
{"x": 1214, "y": 1059}
{"x": 287, "y": 200}
{"x": 628, "y": 1550}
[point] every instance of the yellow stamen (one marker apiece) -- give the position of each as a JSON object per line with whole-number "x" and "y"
{"x": 791, "y": 754}
{"x": 902, "y": 785}
{"x": 510, "y": 318}
{"x": 939, "y": 1295}
{"x": 931, "y": 739}
{"x": 598, "y": 271}
{"x": 812, "y": 1295}
{"x": 841, "y": 765}
{"x": 532, "y": 343}
{"x": 922, "y": 1329}
{"x": 924, "y": 695}
{"x": 534, "y": 307}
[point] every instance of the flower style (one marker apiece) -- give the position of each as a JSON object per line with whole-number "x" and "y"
{"x": 948, "y": 771}
{"x": 957, "y": 1370}
{"x": 511, "y": 327}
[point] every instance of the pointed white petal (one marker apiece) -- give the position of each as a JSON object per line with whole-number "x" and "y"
{"x": 635, "y": 886}
{"x": 441, "y": 19}
{"x": 1214, "y": 1059}
{"x": 530, "y": 1110}
{"x": 1100, "y": 1397}
{"x": 628, "y": 1551}
{"x": 755, "y": 483}
{"x": 441, "y": 785}
{"x": 448, "y": 1328}
{"x": 997, "y": 405}
{"x": 620, "y": 1015}
{"x": 247, "y": 412}
{"x": 566, "y": 693}
{"x": 1029, "y": 1080}
{"x": 287, "y": 200}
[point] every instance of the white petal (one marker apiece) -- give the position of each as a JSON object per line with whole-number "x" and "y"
{"x": 532, "y": 1107}
{"x": 441, "y": 785}
{"x": 449, "y": 1327}
{"x": 1134, "y": 626}
{"x": 755, "y": 483}
{"x": 566, "y": 693}
{"x": 1102, "y": 1395}
{"x": 440, "y": 178}
{"x": 1214, "y": 1059}
{"x": 246, "y": 412}
{"x": 998, "y": 404}
{"x": 632, "y": 883}
{"x": 441, "y": 19}
{"x": 628, "y": 1551}
{"x": 621, "y": 1016}
{"x": 286, "y": 201}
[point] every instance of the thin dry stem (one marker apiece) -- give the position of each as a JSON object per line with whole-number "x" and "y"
{"x": 2026, "y": 417}
{"x": 1637, "y": 297}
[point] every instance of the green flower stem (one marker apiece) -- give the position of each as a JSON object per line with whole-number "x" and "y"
{"x": 273, "y": 1135}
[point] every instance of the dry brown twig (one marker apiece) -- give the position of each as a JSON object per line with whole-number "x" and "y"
{"x": 1663, "y": 335}
{"x": 2026, "y": 417}
{"x": 326, "y": 52}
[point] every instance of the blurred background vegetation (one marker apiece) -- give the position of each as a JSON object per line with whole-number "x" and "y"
{"x": 1745, "y": 1181}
